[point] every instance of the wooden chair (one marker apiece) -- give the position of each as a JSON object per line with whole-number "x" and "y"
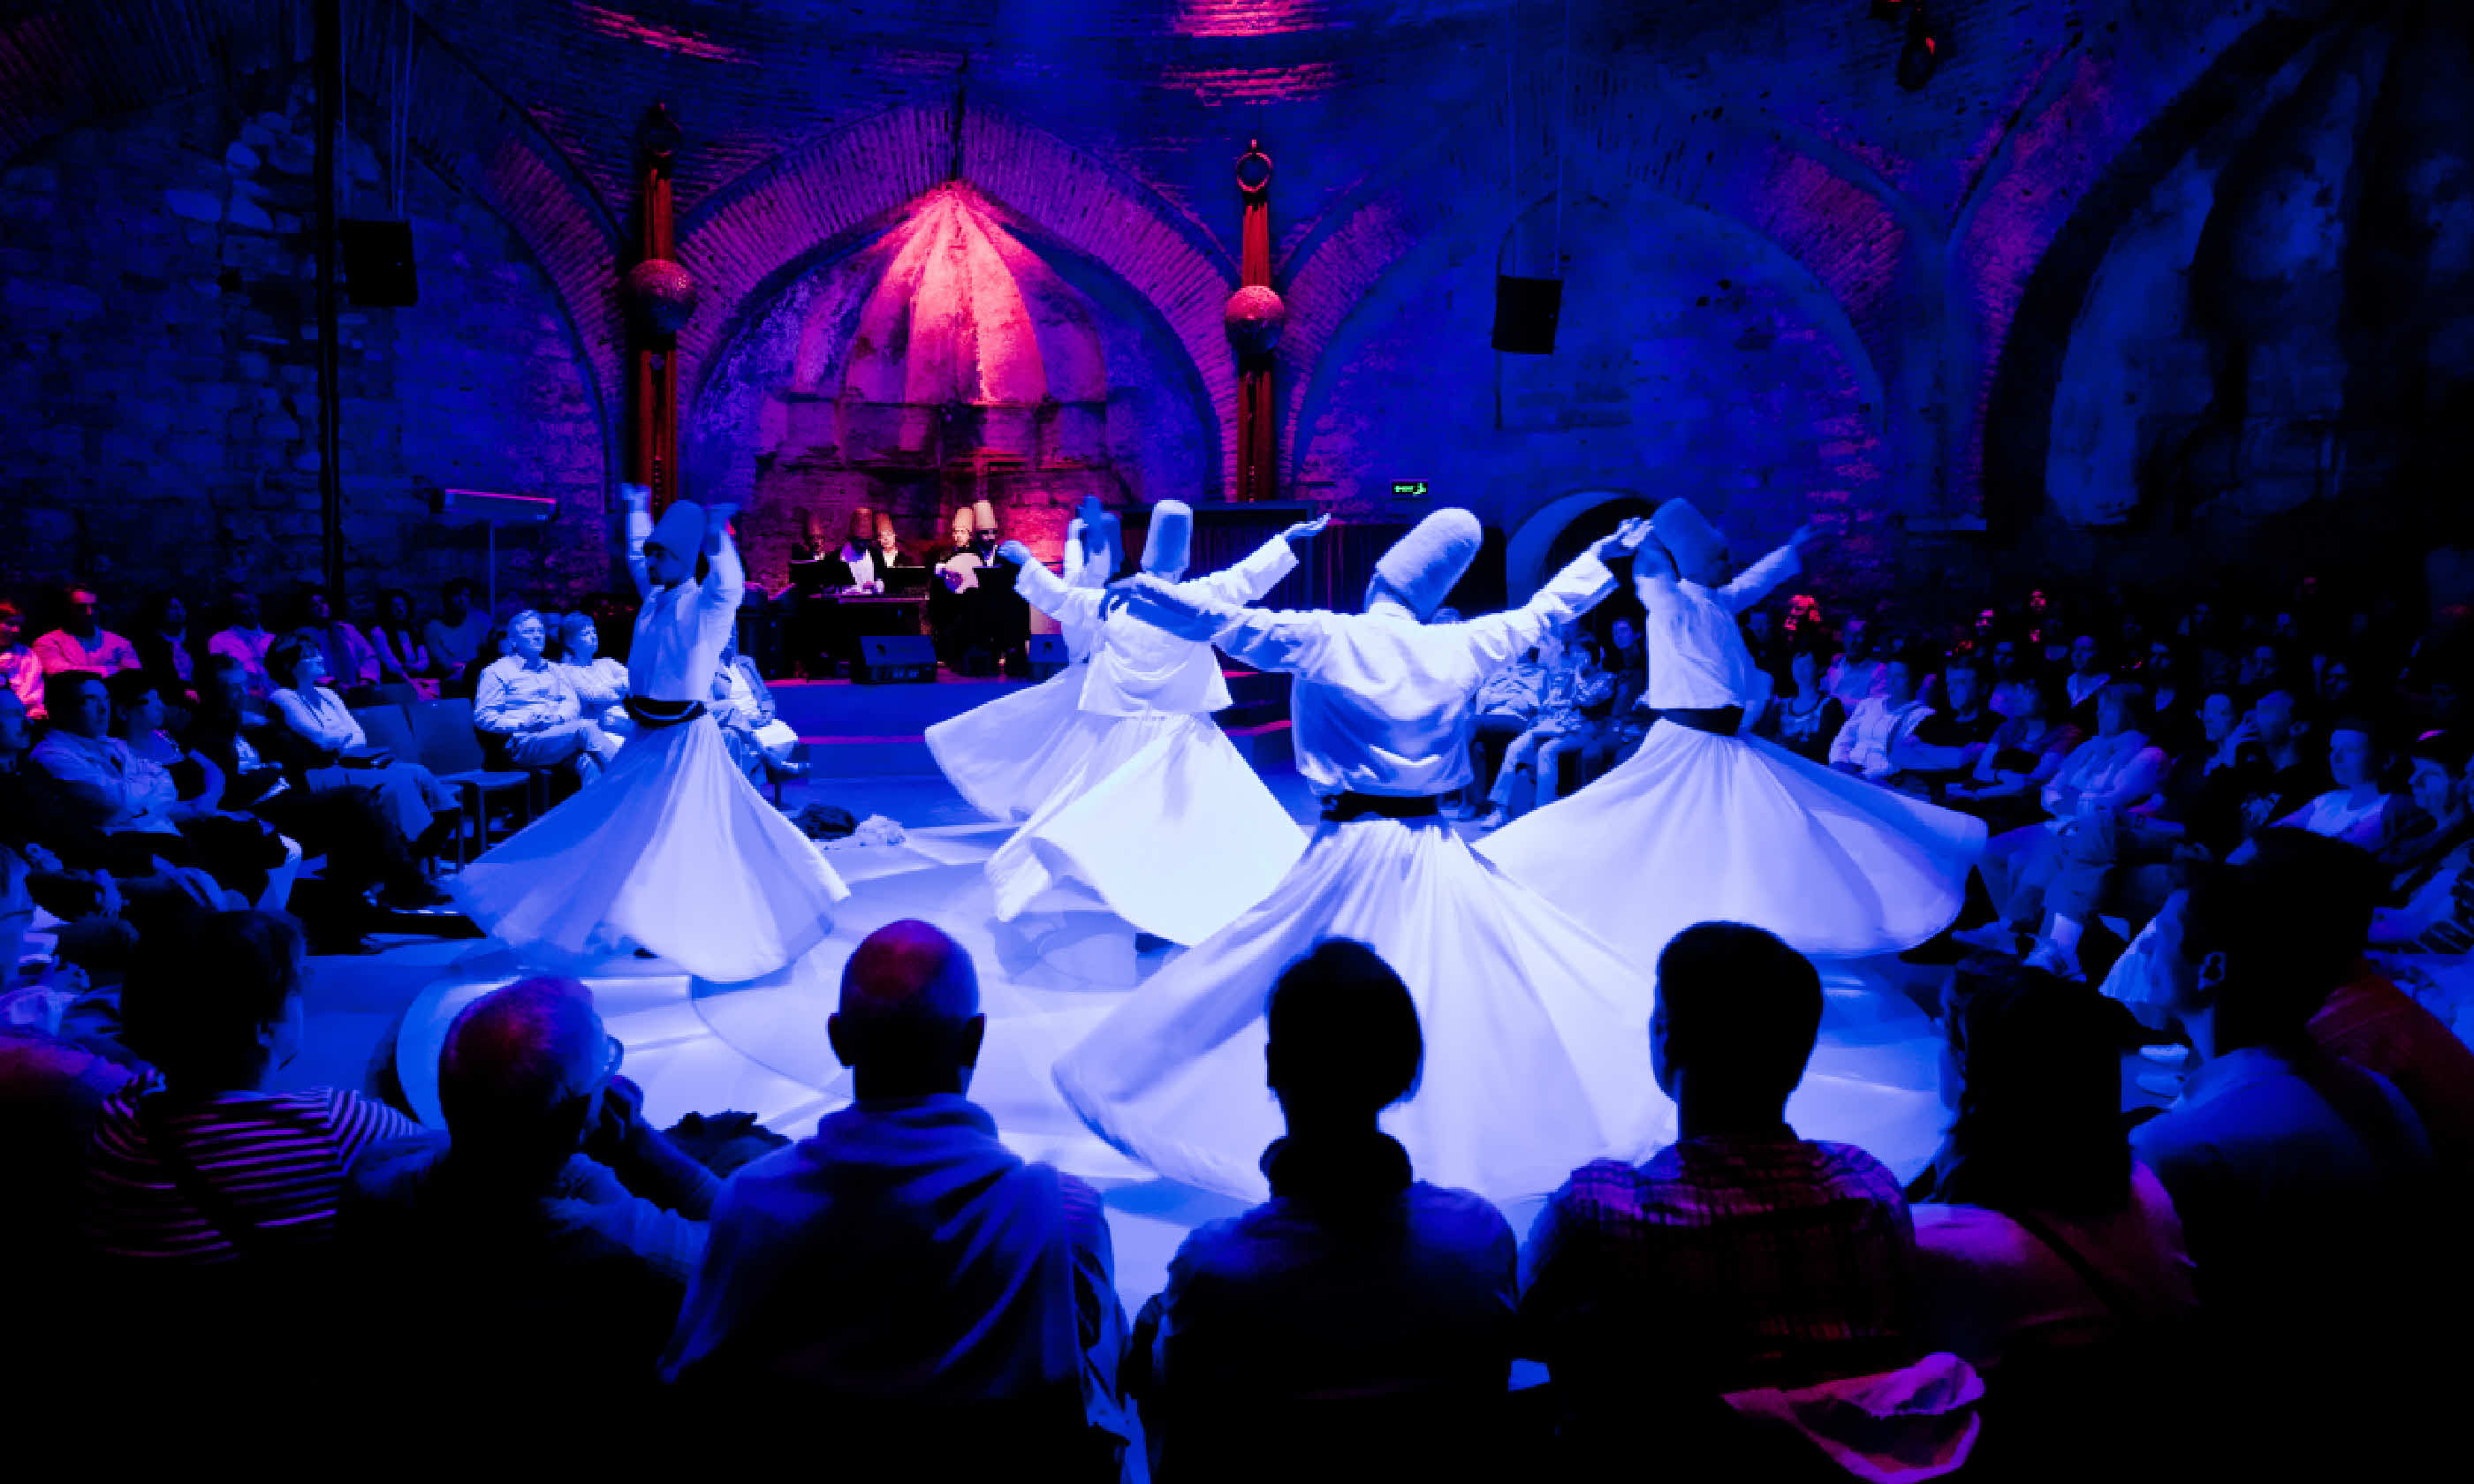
{"x": 450, "y": 748}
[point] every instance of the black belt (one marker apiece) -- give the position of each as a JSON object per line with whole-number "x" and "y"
{"x": 1719, "y": 721}
{"x": 653, "y": 714}
{"x": 1341, "y": 808}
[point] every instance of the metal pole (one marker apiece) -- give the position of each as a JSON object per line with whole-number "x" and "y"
{"x": 328, "y": 60}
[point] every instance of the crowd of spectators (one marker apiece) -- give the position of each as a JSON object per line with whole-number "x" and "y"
{"x": 2260, "y": 1274}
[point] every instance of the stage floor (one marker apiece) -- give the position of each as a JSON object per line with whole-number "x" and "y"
{"x": 1046, "y": 978}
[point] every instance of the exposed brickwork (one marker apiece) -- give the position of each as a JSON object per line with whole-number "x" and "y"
{"x": 161, "y": 312}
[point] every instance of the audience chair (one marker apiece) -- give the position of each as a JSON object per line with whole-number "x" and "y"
{"x": 390, "y": 727}
{"x": 452, "y": 748}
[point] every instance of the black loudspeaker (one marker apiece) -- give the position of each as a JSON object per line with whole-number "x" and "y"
{"x": 1048, "y": 655}
{"x": 377, "y": 264}
{"x": 1525, "y": 313}
{"x": 895, "y": 659}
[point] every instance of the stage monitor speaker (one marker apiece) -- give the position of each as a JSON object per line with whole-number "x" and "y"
{"x": 1048, "y": 655}
{"x": 377, "y": 264}
{"x": 895, "y": 659}
{"x": 1525, "y": 313}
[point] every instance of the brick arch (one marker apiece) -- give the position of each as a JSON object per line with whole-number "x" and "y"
{"x": 2026, "y": 258}
{"x": 747, "y": 240}
{"x": 1864, "y": 246}
{"x": 85, "y": 61}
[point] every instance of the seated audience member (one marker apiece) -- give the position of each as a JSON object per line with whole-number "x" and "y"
{"x": 1571, "y": 682}
{"x": 21, "y": 674}
{"x": 1739, "y": 1256}
{"x": 2113, "y": 770}
{"x": 2174, "y": 692}
{"x": 130, "y": 809}
{"x": 351, "y": 816}
{"x": 2296, "y": 772}
{"x": 598, "y": 681}
{"x": 2089, "y": 675}
{"x": 1618, "y": 736}
{"x": 2043, "y": 1236}
{"x": 1504, "y": 704}
{"x": 328, "y": 749}
{"x": 404, "y": 652}
{"x": 1857, "y": 672}
{"x": 1806, "y": 721}
{"x": 2367, "y": 1020}
{"x": 526, "y": 703}
{"x": 83, "y": 643}
{"x": 546, "y": 1237}
{"x": 1878, "y": 723}
{"x": 901, "y": 1260}
{"x": 742, "y": 707}
{"x": 2022, "y": 758}
{"x": 2420, "y": 914}
{"x": 163, "y": 650}
{"x": 465, "y": 682}
{"x": 2358, "y": 810}
{"x": 245, "y": 639}
{"x": 2303, "y": 1182}
{"x": 1943, "y": 747}
{"x": 352, "y": 663}
{"x": 1355, "y": 1280}
{"x": 455, "y": 637}
{"x": 210, "y": 1200}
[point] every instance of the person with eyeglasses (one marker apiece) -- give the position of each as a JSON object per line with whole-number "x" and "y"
{"x": 549, "y": 1231}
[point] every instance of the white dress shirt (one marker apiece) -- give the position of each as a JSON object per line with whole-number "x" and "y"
{"x": 1138, "y": 670}
{"x": 1697, "y": 659}
{"x": 680, "y": 630}
{"x": 1384, "y": 704}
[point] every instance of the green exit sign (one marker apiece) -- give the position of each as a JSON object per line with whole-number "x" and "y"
{"x": 1409, "y": 490}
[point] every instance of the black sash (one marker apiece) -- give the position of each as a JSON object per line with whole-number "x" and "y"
{"x": 654, "y": 714}
{"x": 1719, "y": 721}
{"x": 1341, "y": 808}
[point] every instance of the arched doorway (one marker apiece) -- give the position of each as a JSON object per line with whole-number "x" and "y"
{"x": 1559, "y": 531}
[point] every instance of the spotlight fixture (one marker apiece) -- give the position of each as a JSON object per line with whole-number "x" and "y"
{"x": 1928, "y": 41}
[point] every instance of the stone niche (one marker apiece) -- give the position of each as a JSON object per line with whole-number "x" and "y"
{"x": 943, "y": 362}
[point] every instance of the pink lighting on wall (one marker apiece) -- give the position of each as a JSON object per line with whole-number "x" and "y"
{"x": 1249, "y": 17}
{"x": 1219, "y": 86}
{"x": 628, "y": 28}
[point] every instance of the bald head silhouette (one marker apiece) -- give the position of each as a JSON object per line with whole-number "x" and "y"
{"x": 909, "y": 1022}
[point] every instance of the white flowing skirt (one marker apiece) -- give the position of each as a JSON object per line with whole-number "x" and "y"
{"x": 669, "y": 849}
{"x": 1695, "y": 827}
{"x": 1164, "y": 822}
{"x": 1012, "y": 756}
{"x": 1536, "y": 1034}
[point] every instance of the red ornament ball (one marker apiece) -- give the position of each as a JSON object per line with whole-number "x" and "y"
{"x": 662, "y": 294}
{"x": 1254, "y": 318}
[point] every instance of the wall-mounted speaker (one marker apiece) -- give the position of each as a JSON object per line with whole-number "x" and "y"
{"x": 377, "y": 264}
{"x": 1525, "y": 313}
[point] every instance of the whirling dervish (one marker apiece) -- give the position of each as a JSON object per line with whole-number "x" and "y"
{"x": 1009, "y": 757}
{"x": 1161, "y": 818}
{"x": 1535, "y": 1029}
{"x": 671, "y": 850}
{"x": 1701, "y": 824}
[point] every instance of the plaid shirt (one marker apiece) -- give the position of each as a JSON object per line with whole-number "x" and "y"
{"x": 1746, "y": 1261}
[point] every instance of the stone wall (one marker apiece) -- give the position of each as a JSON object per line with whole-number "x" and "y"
{"x": 160, "y": 333}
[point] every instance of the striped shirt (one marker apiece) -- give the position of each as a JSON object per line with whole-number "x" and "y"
{"x": 1766, "y": 1259}
{"x": 279, "y": 1159}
